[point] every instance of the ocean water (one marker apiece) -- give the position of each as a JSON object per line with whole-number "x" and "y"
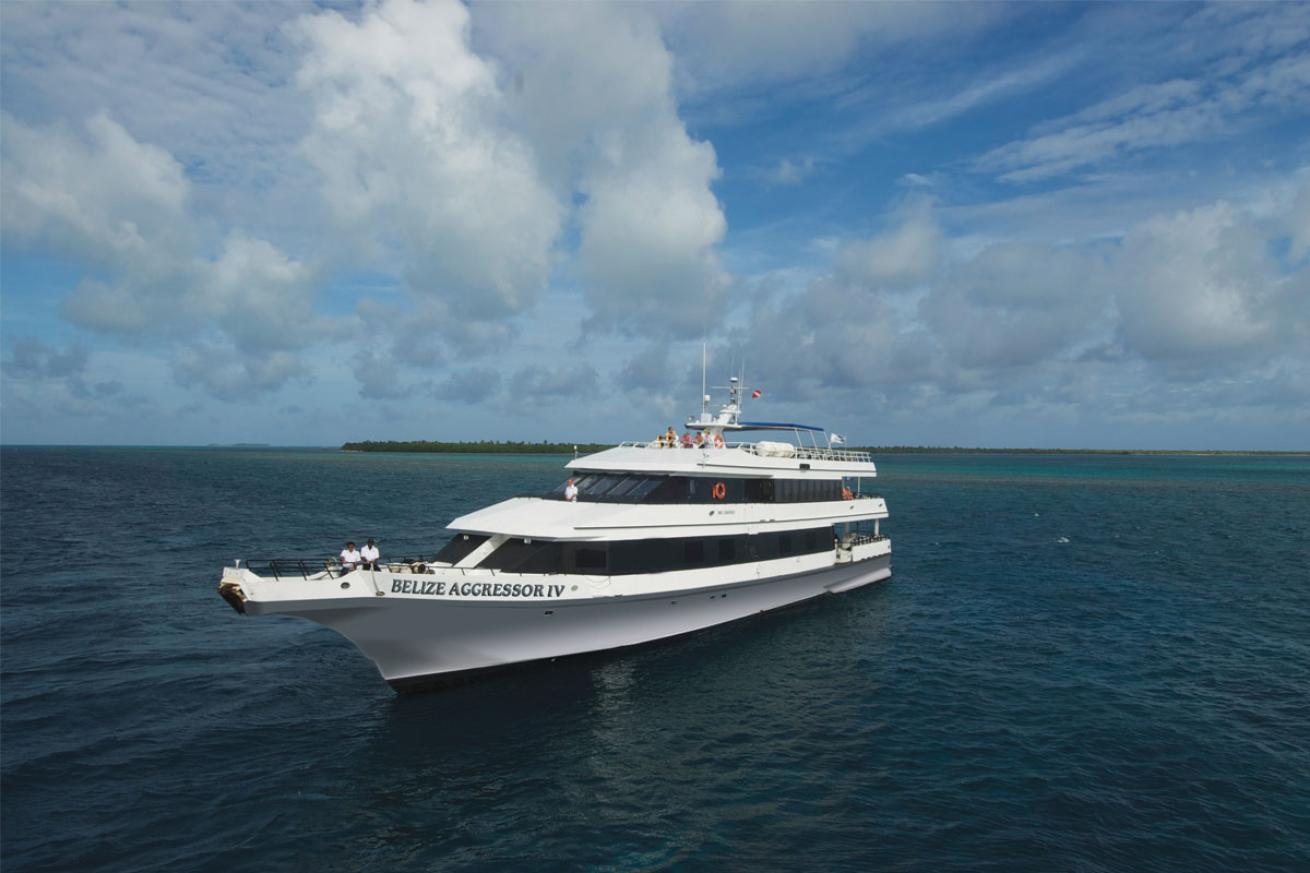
{"x": 1081, "y": 663}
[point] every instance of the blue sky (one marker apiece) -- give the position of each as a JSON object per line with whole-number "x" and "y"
{"x": 958, "y": 224}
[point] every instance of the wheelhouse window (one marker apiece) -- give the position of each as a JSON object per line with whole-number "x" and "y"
{"x": 626, "y": 557}
{"x": 605, "y": 488}
{"x": 459, "y": 548}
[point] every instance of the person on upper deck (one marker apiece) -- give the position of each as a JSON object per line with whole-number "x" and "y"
{"x": 686, "y": 440}
{"x": 671, "y": 437}
{"x": 700, "y": 440}
{"x": 570, "y": 492}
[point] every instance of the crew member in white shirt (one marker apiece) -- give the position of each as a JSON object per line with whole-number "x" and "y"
{"x": 370, "y": 554}
{"x": 350, "y": 558}
{"x": 571, "y": 492}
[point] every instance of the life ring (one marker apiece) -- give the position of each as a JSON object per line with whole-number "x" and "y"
{"x": 719, "y": 491}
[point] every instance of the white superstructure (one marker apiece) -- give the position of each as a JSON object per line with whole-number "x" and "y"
{"x": 660, "y": 541}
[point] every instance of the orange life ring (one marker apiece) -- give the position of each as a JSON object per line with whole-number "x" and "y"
{"x": 719, "y": 491}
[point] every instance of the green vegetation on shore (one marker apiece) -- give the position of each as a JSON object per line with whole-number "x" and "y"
{"x": 510, "y": 447}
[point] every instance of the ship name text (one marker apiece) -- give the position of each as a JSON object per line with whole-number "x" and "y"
{"x": 474, "y": 589}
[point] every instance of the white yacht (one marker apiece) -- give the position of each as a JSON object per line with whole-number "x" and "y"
{"x": 657, "y": 541}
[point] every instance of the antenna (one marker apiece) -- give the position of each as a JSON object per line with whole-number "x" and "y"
{"x": 705, "y": 398}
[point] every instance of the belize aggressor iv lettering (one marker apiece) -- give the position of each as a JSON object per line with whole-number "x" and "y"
{"x": 473, "y": 589}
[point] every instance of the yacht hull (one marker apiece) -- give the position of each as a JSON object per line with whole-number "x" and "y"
{"x": 425, "y": 643}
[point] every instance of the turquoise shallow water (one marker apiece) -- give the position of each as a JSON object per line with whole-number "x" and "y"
{"x": 1134, "y": 698}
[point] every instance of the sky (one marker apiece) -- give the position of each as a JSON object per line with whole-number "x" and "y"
{"x": 1032, "y": 225}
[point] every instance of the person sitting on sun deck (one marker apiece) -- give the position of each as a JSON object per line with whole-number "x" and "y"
{"x": 671, "y": 437}
{"x": 686, "y": 440}
{"x": 718, "y": 441}
{"x": 700, "y": 440}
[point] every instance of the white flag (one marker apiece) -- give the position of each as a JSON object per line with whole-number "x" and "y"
{"x": 836, "y": 439}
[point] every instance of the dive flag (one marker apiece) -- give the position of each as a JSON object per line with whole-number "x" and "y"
{"x": 756, "y": 393}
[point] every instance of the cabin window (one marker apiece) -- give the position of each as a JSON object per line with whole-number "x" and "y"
{"x": 589, "y": 559}
{"x": 459, "y": 548}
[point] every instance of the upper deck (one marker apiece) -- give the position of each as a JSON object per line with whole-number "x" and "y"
{"x": 763, "y": 458}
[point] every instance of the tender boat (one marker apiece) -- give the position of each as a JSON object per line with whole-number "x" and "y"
{"x": 658, "y": 541}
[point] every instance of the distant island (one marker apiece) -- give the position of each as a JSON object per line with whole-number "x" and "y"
{"x": 513, "y": 447}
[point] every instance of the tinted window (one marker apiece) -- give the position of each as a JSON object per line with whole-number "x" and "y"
{"x": 590, "y": 559}
{"x": 458, "y": 548}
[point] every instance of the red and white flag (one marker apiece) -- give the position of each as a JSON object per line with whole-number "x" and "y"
{"x": 756, "y": 393}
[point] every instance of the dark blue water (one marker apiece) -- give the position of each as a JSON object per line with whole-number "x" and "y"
{"x": 1136, "y": 698}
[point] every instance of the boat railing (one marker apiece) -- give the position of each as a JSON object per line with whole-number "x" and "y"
{"x": 804, "y": 453}
{"x": 323, "y": 568}
{"x": 851, "y": 540}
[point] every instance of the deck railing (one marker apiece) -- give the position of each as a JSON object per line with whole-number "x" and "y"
{"x": 305, "y": 568}
{"x": 804, "y": 453}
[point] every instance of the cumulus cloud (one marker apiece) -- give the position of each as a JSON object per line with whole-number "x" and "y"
{"x": 1198, "y": 285}
{"x": 409, "y": 135}
{"x": 37, "y": 377}
{"x": 95, "y": 195}
{"x": 469, "y": 385}
{"x": 30, "y": 357}
{"x": 1159, "y": 318}
{"x": 902, "y": 256}
{"x": 120, "y": 209}
{"x": 544, "y": 386}
{"x": 593, "y": 86}
{"x": 1016, "y": 304}
{"x": 229, "y": 375}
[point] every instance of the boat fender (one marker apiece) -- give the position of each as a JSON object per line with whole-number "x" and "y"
{"x": 719, "y": 491}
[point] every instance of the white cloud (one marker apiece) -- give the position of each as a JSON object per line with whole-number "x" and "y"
{"x": 1198, "y": 286}
{"x": 790, "y": 172}
{"x": 120, "y": 209}
{"x": 548, "y": 386}
{"x": 231, "y": 375}
{"x": 1155, "y": 326}
{"x": 901, "y": 257}
{"x": 726, "y": 45}
{"x": 1152, "y": 116}
{"x": 99, "y": 197}
{"x": 409, "y": 134}
{"x": 593, "y": 85}
{"x": 1016, "y": 304}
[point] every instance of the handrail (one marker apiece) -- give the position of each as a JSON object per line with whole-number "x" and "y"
{"x": 308, "y": 568}
{"x": 804, "y": 453}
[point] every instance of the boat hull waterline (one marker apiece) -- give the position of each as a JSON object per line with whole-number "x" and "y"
{"x": 419, "y": 641}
